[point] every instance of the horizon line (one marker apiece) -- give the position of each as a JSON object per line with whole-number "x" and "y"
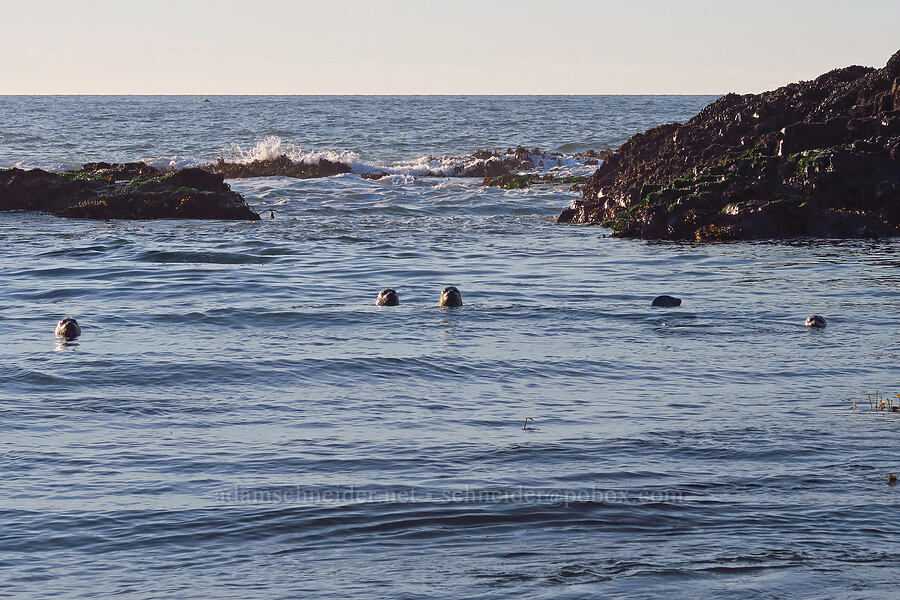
{"x": 54, "y": 94}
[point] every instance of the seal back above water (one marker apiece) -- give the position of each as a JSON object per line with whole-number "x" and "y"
{"x": 666, "y": 301}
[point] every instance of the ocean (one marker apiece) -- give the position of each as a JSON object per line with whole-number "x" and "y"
{"x": 238, "y": 419}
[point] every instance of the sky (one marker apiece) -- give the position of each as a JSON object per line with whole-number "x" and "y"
{"x": 419, "y": 47}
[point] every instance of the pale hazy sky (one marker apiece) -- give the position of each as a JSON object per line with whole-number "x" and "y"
{"x": 457, "y": 47}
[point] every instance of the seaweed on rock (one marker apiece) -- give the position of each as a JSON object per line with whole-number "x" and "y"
{"x": 123, "y": 191}
{"x": 818, "y": 158}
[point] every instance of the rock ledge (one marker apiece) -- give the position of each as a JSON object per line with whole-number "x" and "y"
{"x": 811, "y": 159}
{"x": 123, "y": 191}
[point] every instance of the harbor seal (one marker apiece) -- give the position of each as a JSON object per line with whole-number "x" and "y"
{"x": 387, "y": 297}
{"x": 666, "y": 301}
{"x": 450, "y": 296}
{"x": 815, "y": 321}
{"x": 68, "y": 328}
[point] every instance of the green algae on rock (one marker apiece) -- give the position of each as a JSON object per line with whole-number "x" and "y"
{"x": 811, "y": 159}
{"x": 123, "y": 191}
{"x": 513, "y": 181}
{"x": 280, "y": 166}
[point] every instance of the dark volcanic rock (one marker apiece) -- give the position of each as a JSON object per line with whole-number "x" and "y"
{"x": 281, "y": 166}
{"x": 123, "y": 191}
{"x": 513, "y": 181}
{"x": 819, "y": 158}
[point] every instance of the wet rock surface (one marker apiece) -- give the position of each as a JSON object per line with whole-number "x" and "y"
{"x": 818, "y": 158}
{"x": 123, "y": 191}
{"x": 514, "y": 181}
{"x": 281, "y": 166}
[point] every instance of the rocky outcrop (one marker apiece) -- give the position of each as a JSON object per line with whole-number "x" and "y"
{"x": 281, "y": 166}
{"x": 123, "y": 191}
{"x": 818, "y": 158}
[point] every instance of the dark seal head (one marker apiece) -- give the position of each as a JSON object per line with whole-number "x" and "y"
{"x": 387, "y": 297}
{"x": 68, "y": 328}
{"x": 450, "y": 296}
{"x": 815, "y": 321}
{"x": 666, "y": 301}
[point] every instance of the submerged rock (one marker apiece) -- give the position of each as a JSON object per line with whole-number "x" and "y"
{"x": 818, "y": 158}
{"x": 123, "y": 191}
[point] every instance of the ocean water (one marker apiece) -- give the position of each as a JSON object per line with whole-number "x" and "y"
{"x": 239, "y": 420}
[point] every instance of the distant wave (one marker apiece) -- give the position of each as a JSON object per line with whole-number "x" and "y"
{"x": 273, "y": 147}
{"x": 273, "y": 156}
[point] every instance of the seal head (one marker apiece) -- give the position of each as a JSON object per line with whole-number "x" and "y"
{"x": 815, "y": 321}
{"x": 68, "y": 329}
{"x": 666, "y": 301}
{"x": 387, "y": 297}
{"x": 450, "y": 296}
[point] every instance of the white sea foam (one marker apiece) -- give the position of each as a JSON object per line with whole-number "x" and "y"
{"x": 57, "y": 166}
{"x": 273, "y": 147}
{"x": 171, "y": 162}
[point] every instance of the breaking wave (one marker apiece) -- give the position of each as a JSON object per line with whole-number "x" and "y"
{"x": 273, "y": 147}
{"x": 274, "y": 156}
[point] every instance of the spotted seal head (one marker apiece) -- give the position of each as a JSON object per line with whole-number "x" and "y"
{"x": 815, "y": 321}
{"x": 387, "y": 297}
{"x": 450, "y": 296}
{"x": 68, "y": 328}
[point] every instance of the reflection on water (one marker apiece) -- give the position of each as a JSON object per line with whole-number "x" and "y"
{"x": 241, "y": 420}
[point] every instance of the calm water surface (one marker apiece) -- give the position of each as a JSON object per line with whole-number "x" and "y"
{"x": 239, "y": 420}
